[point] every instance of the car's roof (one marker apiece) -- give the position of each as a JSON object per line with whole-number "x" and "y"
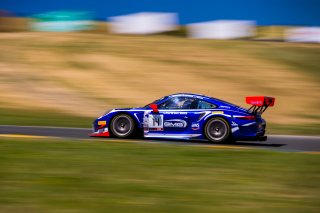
{"x": 190, "y": 94}
{"x": 204, "y": 97}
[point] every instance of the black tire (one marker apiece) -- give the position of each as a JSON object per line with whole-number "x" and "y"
{"x": 217, "y": 130}
{"x": 122, "y": 126}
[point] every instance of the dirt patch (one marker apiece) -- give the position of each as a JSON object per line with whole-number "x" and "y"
{"x": 132, "y": 71}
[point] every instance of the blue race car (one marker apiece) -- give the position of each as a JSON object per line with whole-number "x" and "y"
{"x": 187, "y": 116}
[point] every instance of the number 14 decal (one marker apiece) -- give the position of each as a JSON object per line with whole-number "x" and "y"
{"x": 155, "y": 122}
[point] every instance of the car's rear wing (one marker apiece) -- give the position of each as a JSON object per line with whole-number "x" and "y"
{"x": 259, "y": 103}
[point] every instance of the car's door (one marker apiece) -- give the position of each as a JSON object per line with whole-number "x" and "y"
{"x": 174, "y": 119}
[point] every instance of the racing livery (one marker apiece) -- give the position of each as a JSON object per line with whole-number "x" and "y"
{"x": 187, "y": 116}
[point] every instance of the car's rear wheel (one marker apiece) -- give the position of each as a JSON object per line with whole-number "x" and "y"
{"x": 122, "y": 126}
{"x": 217, "y": 130}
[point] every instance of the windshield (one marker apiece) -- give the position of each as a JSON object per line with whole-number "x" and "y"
{"x": 156, "y": 101}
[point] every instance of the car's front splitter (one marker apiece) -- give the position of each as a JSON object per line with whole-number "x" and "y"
{"x": 100, "y": 133}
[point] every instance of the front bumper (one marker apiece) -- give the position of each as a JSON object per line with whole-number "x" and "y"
{"x": 100, "y": 133}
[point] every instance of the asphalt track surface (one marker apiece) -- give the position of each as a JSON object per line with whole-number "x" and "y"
{"x": 274, "y": 142}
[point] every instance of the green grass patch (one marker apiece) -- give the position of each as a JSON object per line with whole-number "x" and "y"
{"x": 30, "y": 117}
{"x": 296, "y": 129}
{"x": 38, "y": 175}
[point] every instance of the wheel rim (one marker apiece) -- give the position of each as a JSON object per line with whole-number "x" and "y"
{"x": 217, "y": 130}
{"x": 122, "y": 126}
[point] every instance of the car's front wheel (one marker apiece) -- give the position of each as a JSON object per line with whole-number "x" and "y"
{"x": 217, "y": 130}
{"x": 122, "y": 126}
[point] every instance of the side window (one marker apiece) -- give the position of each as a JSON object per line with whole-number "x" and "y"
{"x": 178, "y": 103}
{"x": 206, "y": 105}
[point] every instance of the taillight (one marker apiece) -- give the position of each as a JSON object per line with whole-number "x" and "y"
{"x": 247, "y": 117}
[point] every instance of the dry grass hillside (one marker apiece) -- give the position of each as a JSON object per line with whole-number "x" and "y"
{"x": 84, "y": 74}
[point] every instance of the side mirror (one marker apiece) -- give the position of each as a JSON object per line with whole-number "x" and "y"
{"x": 154, "y": 108}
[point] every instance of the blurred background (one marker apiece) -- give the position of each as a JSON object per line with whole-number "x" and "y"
{"x": 63, "y": 63}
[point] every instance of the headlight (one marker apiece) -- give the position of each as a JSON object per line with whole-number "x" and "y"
{"x": 102, "y": 123}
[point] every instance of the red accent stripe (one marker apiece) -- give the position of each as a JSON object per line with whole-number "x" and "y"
{"x": 249, "y": 117}
{"x": 102, "y": 126}
{"x": 103, "y": 134}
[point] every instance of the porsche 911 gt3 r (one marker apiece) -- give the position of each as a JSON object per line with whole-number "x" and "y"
{"x": 187, "y": 116}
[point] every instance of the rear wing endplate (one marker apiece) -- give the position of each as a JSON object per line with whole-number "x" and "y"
{"x": 259, "y": 103}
